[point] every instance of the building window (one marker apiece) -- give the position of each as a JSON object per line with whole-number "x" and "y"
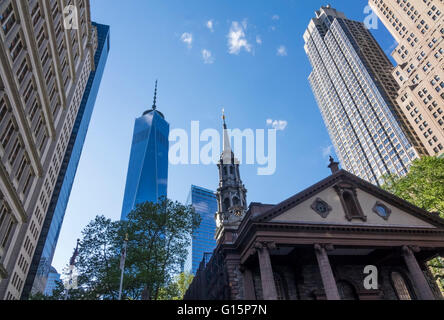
{"x": 226, "y": 204}
{"x": 382, "y": 210}
{"x": 401, "y": 287}
{"x": 349, "y": 200}
{"x": 321, "y": 207}
{"x": 236, "y": 201}
{"x": 7, "y": 225}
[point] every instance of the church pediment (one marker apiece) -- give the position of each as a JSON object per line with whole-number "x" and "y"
{"x": 343, "y": 200}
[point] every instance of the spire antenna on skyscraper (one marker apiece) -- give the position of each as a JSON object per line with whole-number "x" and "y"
{"x": 155, "y": 96}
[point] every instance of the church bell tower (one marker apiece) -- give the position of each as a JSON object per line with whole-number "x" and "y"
{"x": 231, "y": 194}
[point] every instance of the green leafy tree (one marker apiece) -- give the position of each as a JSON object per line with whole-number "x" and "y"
{"x": 158, "y": 235}
{"x": 98, "y": 260}
{"x": 423, "y": 186}
{"x": 184, "y": 281}
{"x": 176, "y": 290}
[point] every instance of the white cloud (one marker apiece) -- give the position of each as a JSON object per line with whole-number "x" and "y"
{"x": 279, "y": 125}
{"x": 210, "y": 25}
{"x": 258, "y": 40}
{"x": 207, "y": 56}
{"x": 244, "y": 23}
{"x": 327, "y": 151}
{"x": 236, "y": 38}
{"x": 282, "y": 51}
{"x": 275, "y": 17}
{"x": 187, "y": 38}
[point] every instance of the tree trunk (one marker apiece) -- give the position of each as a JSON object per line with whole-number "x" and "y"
{"x": 146, "y": 295}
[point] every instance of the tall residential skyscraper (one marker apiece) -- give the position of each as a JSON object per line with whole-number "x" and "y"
{"x": 204, "y": 203}
{"x": 44, "y": 253}
{"x": 148, "y": 165}
{"x": 418, "y": 28}
{"x": 354, "y": 88}
{"x": 44, "y": 71}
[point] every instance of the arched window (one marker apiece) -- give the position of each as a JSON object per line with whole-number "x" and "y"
{"x": 226, "y": 204}
{"x": 347, "y": 194}
{"x": 236, "y": 201}
{"x": 347, "y": 291}
{"x": 401, "y": 286}
{"x": 350, "y": 204}
{"x": 231, "y": 170}
{"x": 225, "y": 171}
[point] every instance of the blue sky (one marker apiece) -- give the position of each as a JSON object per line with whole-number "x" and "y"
{"x": 261, "y": 76}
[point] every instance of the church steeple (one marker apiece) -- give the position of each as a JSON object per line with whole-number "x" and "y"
{"x": 227, "y": 155}
{"x": 231, "y": 194}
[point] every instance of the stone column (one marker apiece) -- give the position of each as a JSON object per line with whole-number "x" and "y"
{"x": 418, "y": 278}
{"x": 267, "y": 277}
{"x": 328, "y": 280}
{"x": 249, "y": 293}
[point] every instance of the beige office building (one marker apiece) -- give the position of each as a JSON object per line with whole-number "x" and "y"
{"x": 44, "y": 68}
{"x": 418, "y": 28}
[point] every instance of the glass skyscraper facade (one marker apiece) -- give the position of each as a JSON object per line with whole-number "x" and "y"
{"x": 51, "y": 284}
{"x": 147, "y": 175}
{"x": 41, "y": 263}
{"x": 203, "y": 241}
{"x": 355, "y": 90}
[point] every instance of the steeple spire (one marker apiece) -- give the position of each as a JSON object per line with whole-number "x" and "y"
{"x": 223, "y": 118}
{"x": 226, "y": 153}
{"x": 155, "y": 97}
{"x": 231, "y": 194}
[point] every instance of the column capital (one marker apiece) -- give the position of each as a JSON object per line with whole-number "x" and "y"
{"x": 327, "y": 247}
{"x": 410, "y": 250}
{"x": 260, "y": 245}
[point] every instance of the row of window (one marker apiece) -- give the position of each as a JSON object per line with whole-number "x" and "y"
{"x": 10, "y": 138}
